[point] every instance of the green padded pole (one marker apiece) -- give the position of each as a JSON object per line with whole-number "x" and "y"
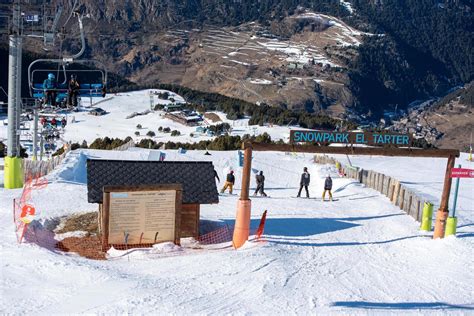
{"x": 427, "y": 217}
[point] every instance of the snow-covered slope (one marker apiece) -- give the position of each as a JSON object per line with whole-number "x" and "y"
{"x": 357, "y": 255}
{"x": 115, "y": 123}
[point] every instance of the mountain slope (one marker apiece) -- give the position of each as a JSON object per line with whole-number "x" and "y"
{"x": 415, "y": 49}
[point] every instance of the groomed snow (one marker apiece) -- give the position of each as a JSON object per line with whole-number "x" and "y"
{"x": 357, "y": 255}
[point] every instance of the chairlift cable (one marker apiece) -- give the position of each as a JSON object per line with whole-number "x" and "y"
{"x": 72, "y": 12}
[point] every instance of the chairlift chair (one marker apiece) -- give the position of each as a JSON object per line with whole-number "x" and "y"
{"x": 97, "y": 88}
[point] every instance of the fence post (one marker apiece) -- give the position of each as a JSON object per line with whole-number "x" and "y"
{"x": 401, "y": 198}
{"x": 380, "y": 183}
{"x": 396, "y": 192}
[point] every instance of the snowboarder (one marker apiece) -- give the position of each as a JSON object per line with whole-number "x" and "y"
{"x": 49, "y": 87}
{"x": 73, "y": 91}
{"x": 229, "y": 183}
{"x": 304, "y": 182}
{"x": 260, "y": 178}
{"x": 328, "y": 187}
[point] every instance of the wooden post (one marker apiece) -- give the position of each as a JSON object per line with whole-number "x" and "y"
{"x": 244, "y": 206}
{"x": 401, "y": 198}
{"x": 244, "y": 193}
{"x": 105, "y": 221}
{"x": 396, "y": 192}
{"x": 442, "y": 213}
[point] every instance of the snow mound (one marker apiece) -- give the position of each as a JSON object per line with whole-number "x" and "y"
{"x": 165, "y": 247}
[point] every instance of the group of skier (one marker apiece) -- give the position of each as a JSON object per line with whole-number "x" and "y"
{"x": 260, "y": 180}
{"x": 50, "y": 88}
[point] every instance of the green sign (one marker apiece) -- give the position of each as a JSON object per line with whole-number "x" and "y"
{"x": 362, "y": 138}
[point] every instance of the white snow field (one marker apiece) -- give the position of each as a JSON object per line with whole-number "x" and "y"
{"x": 357, "y": 255}
{"x": 115, "y": 123}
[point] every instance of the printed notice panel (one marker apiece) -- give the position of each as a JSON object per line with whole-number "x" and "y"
{"x": 142, "y": 217}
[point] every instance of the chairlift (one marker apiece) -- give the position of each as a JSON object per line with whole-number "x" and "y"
{"x": 97, "y": 88}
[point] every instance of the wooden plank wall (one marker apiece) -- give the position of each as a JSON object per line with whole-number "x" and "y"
{"x": 190, "y": 220}
{"x": 398, "y": 194}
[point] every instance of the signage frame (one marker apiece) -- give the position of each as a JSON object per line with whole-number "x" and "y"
{"x": 104, "y": 212}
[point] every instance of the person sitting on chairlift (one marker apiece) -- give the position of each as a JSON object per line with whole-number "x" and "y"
{"x": 49, "y": 87}
{"x": 73, "y": 91}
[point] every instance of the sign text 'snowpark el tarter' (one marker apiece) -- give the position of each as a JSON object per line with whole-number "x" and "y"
{"x": 363, "y": 138}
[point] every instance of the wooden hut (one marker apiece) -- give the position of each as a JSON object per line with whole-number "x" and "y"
{"x": 196, "y": 178}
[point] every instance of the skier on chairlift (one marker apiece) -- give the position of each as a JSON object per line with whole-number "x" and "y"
{"x": 49, "y": 87}
{"x": 73, "y": 91}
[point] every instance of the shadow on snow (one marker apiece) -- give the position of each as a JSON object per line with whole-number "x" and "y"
{"x": 403, "y": 306}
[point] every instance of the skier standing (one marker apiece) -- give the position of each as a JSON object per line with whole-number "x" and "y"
{"x": 260, "y": 178}
{"x": 304, "y": 182}
{"x": 328, "y": 187}
{"x": 229, "y": 183}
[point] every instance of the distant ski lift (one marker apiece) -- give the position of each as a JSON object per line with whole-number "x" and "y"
{"x": 93, "y": 82}
{"x": 32, "y": 18}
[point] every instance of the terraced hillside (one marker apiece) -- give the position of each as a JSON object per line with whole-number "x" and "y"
{"x": 305, "y": 69}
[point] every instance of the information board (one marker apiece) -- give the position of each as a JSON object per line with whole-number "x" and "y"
{"x": 141, "y": 215}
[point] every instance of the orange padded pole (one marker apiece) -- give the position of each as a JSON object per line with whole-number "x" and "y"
{"x": 244, "y": 205}
{"x": 242, "y": 223}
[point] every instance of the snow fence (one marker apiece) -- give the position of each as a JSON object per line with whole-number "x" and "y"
{"x": 398, "y": 194}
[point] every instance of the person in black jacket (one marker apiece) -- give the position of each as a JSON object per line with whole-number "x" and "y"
{"x": 229, "y": 183}
{"x": 260, "y": 178}
{"x": 73, "y": 91}
{"x": 304, "y": 182}
{"x": 328, "y": 187}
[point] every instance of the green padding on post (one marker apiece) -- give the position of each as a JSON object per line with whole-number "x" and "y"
{"x": 427, "y": 217}
{"x": 451, "y": 225}
{"x": 13, "y": 173}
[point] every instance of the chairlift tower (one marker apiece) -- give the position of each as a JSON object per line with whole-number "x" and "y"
{"x": 20, "y": 24}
